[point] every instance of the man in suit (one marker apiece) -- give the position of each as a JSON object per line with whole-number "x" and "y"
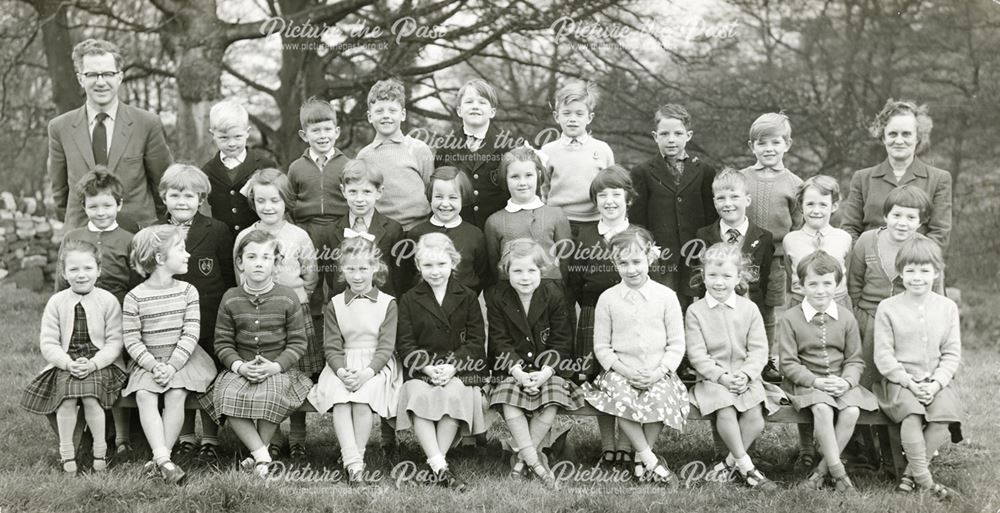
{"x": 105, "y": 131}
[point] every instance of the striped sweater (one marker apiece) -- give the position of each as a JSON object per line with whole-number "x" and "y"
{"x": 270, "y": 324}
{"x": 161, "y": 325}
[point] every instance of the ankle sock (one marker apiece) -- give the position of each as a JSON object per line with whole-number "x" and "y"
{"x": 260, "y": 455}
{"x": 745, "y": 464}
{"x": 437, "y": 462}
{"x": 161, "y": 455}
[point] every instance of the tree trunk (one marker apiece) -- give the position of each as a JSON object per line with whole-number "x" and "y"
{"x": 66, "y": 91}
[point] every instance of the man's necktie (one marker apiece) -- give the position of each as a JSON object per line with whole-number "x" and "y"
{"x": 99, "y": 140}
{"x": 733, "y": 236}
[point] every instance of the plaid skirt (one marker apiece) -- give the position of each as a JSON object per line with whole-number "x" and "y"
{"x": 312, "y": 361}
{"x": 666, "y": 401}
{"x": 273, "y": 399}
{"x": 558, "y": 391}
{"x": 584, "y": 346}
{"x": 49, "y": 389}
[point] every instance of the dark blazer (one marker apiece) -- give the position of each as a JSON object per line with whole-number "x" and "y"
{"x": 387, "y": 234}
{"x": 210, "y": 270}
{"x": 228, "y": 205}
{"x": 482, "y": 168}
{"x": 758, "y": 245}
{"x": 673, "y": 214}
{"x": 862, "y": 210}
{"x": 519, "y": 337}
{"x": 138, "y": 157}
{"x": 452, "y": 332}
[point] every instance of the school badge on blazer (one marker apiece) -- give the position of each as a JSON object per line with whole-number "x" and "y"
{"x": 205, "y": 265}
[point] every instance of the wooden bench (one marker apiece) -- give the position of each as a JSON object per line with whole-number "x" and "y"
{"x": 885, "y": 429}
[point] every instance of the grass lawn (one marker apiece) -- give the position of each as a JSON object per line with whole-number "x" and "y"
{"x": 30, "y": 479}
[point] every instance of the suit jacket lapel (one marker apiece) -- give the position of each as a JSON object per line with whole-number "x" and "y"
{"x": 81, "y": 136}
{"x": 377, "y": 228}
{"x": 120, "y": 139}
{"x": 247, "y": 168}
{"x": 198, "y": 230}
{"x": 661, "y": 173}
{"x": 688, "y": 176}
{"x": 514, "y": 312}
{"x": 752, "y": 239}
{"x": 537, "y": 308}
{"x": 427, "y": 301}
{"x": 487, "y": 148}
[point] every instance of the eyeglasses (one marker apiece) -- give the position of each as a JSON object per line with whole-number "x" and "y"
{"x": 106, "y": 75}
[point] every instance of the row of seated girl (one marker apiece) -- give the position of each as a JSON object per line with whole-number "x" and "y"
{"x": 423, "y": 359}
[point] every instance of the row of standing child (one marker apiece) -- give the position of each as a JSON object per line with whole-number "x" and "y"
{"x": 521, "y": 175}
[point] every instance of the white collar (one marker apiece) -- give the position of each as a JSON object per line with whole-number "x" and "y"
{"x": 811, "y": 312}
{"x": 315, "y": 156}
{"x": 111, "y": 112}
{"x": 742, "y": 227}
{"x": 609, "y": 231}
{"x": 644, "y": 290}
{"x": 240, "y": 157}
{"x": 824, "y": 231}
{"x": 761, "y": 167}
{"x": 478, "y": 134}
{"x": 730, "y": 301}
{"x": 567, "y": 140}
{"x": 95, "y": 229}
{"x": 535, "y": 202}
{"x": 454, "y": 222}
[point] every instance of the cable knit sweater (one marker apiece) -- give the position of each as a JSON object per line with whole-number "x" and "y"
{"x": 772, "y": 202}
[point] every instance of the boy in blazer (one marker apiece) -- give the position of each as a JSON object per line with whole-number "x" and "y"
{"x": 674, "y": 196}
{"x": 362, "y": 187}
{"x": 477, "y": 149}
{"x": 230, "y": 168}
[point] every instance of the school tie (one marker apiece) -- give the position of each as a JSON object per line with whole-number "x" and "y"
{"x": 472, "y": 142}
{"x": 99, "y": 140}
{"x": 359, "y": 225}
{"x": 321, "y": 162}
{"x": 676, "y": 170}
{"x": 818, "y": 240}
{"x": 733, "y": 236}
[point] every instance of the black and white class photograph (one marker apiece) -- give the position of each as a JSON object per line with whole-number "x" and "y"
{"x": 500, "y": 255}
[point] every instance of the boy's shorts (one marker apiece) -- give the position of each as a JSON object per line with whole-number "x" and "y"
{"x": 775, "y": 294}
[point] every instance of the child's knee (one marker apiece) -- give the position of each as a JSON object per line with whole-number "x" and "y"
{"x": 725, "y": 415}
{"x": 822, "y": 413}
{"x": 850, "y": 413}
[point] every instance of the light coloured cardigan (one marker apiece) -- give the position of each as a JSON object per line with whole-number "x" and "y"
{"x": 104, "y": 324}
{"x": 647, "y": 334}
{"x": 726, "y": 339}
{"x": 915, "y": 343}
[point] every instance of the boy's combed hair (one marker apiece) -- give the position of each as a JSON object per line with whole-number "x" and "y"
{"x": 81, "y": 246}
{"x": 259, "y": 237}
{"x": 315, "y": 110}
{"x": 522, "y": 248}
{"x": 904, "y": 108}
{"x": 359, "y": 247}
{"x": 634, "y": 236}
{"x": 228, "y": 115}
{"x": 438, "y": 243}
{"x": 919, "y": 251}
{"x": 387, "y": 90}
{"x": 271, "y": 176}
{"x": 771, "y": 124}
{"x": 825, "y": 185}
{"x": 95, "y": 47}
{"x": 100, "y": 181}
{"x": 185, "y": 177}
{"x": 482, "y": 88}
{"x": 358, "y": 171}
{"x": 730, "y": 178}
{"x": 672, "y": 111}
{"x": 151, "y": 241}
{"x": 577, "y": 91}
{"x": 448, "y": 174}
{"x": 908, "y": 196}
{"x": 613, "y": 177}
{"x": 820, "y": 262}
{"x": 722, "y": 252}
{"x": 521, "y": 154}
